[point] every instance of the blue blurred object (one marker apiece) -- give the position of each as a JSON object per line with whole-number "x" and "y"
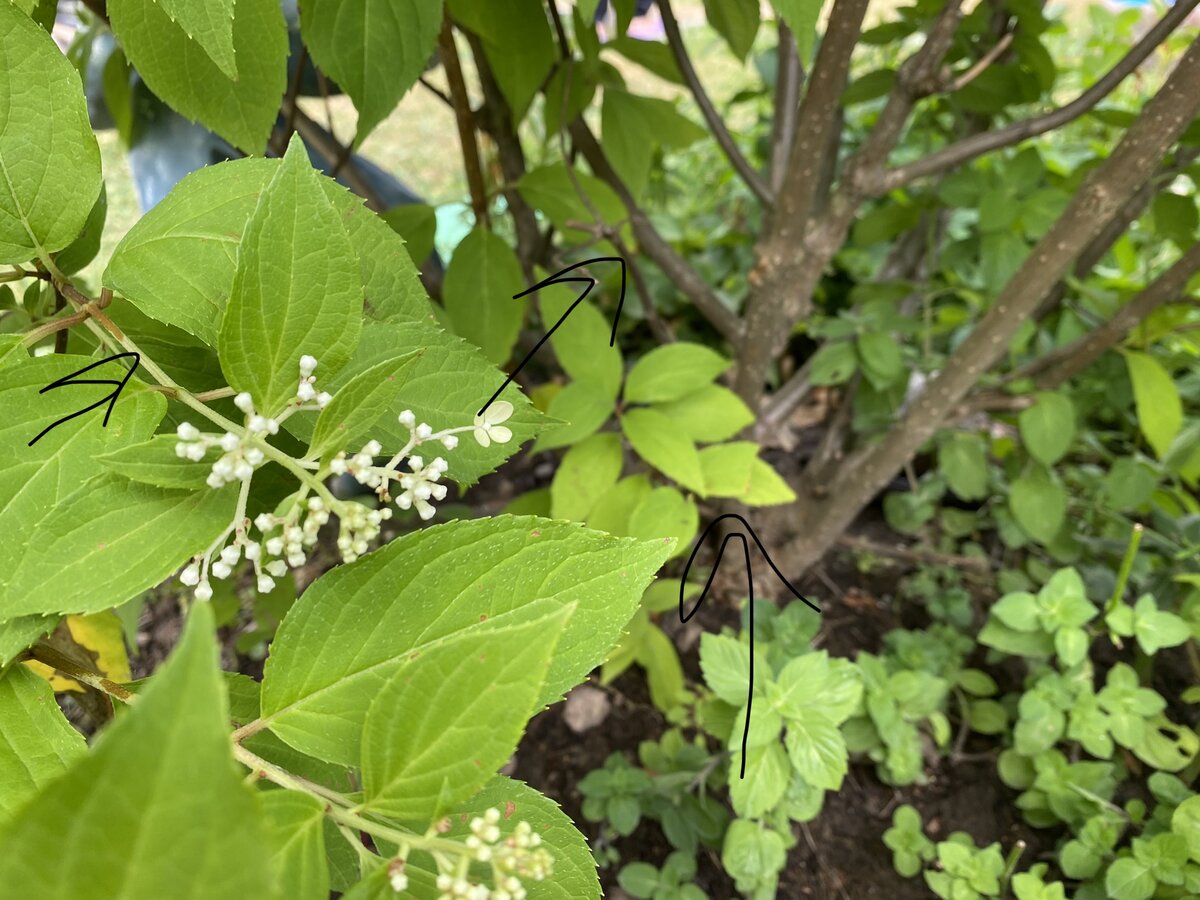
{"x": 641, "y": 8}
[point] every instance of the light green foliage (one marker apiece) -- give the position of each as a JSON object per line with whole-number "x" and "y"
{"x": 581, "y": 342}
{"x": 427, "y": 587}
{"x": 801, "y": 16}
{"x": 451, "y": 715}
{"x": 180, "y": 71}
{"x": 48, "y": 154}
{"x": 1038, "y": 502}
{"x": 374, "y": 49}
{"x": 210, "y": 25}
{"x": 962, "y": 462}
{"x": 967, "y": 873}
{"x": 752, "y": 854}
{"x": 709, "y": 413}
{"x": 1159, "y": 409}
{"x": 633, "y": 127}
{"x": 481, "y": 280}
{"x": 1048, "y": 427}
{"x": 1154, "y": 628}
{"x": 295, "y": 289}
{"x": 906, "y": 839}
{"x": 36, "y": 743}
{"x": 736, "y": 21}
{"x": 520, "y": 23}
{"x": 587, "y": 472}
{"x": 642, "y": 880}
{"x": 359, "y": 405}
{"x": 1030, "y": 625}
{"x": 295, "y": 830}
{"x": 671, "y": 372}
{"x": 160, "y": 771}
{"x": 655, "y": 439}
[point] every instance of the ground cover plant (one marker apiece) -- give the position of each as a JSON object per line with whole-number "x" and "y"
{"x": 322, "y": 497}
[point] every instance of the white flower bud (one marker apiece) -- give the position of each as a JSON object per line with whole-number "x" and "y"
{"x": 295, "y": 560}
{"x": 229, "y": 442}
{"x": 266, "y": 584}
{"x": 264, "y": 522}
{"x": 221, "y": 569}
{"x": 337, "y": 465}
{"x": 257, "y": 424}
{"x": 408, "y": 419}
{"x": 254, "y": 456}
{"x": 243, "y": 470}
{"x": 195, "y": 452}
{"x": 187, "y": 432}
{"x": 181, "y": 450}
{"x": 275, "y": 546}
{"x": 272, "y": 426}
{"x": 244, "y": 402}
{"x": 323, "y": 399}
{"x": 204, "y": 591}
{"x": 307, "y": 365}
{"x": 277, "y": 567}
{"x": 191, "y": 575}
{"x": 253, "y": 551}
{"x": 230, "y": 554}
{"x": 424, "y": 431}
{"x": 450, "y": 441}
{"x": 214, "y": 480}
{"x": 398, "y": 881}
{"x": 305, "y": 392}
{"x": 372, "y": 448}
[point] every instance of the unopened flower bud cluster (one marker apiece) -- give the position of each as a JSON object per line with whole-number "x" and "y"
{"x": 514, "y": 859}
{"x": 288, "y": 538}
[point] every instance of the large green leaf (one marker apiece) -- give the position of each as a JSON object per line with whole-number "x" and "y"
{"x": 452, "y": 715}
{"x": 712, "y": 413}
{"x": 177, "y": 263}
{"x": 1038, "y": 503}
{"x": 36, "y": 743}
{"x": 445, "y": 386}
{"x": 356, "y": 625}
{"x": 210, "y": 24}
{"x": 581, "y": 343}
{"x": 633, "y": 127}
{"x": 110, "y": 540}
{"x": 156, "y": 462}
{"x": 481, "y": 280}
{"x": 296, "y": 289}
{"x": 963, "y": 463}
{"x": 1159, "y": 409}
{"x": 736, "y": 21}
{"x": 817, "y": 750}
{"x": 588, "y": 471}
{"x": 659, "y": 443}
{"x": 374, "y": 49}
{"x": 517, "y": 41}
{"x": 157, "y": 809}
{"x": 296, "y": 830}
{"x": 180, "y": 71}
{"x": 1048, "y": 427}
{"x": 48, "y": 155}
{"x": 35, "y": 481}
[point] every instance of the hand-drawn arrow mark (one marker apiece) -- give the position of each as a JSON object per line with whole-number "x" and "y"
{"x": 558, "y": 278}
{"x": 111, "y": 399}
{"x": 750, "y": 591}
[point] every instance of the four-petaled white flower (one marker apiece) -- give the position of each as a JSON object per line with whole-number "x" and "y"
{"x": 488, "y": 427}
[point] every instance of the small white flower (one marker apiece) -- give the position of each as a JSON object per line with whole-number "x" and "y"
{"x": 488, "y": 427}
{"x": 254, "y": 456}
{"x": 266, "y": 584}
{"x": 306, "y": 392}
{"x": 275, "y": 546}
{"x": 191, "y": 575}
{"x": 195, "y": 452}
{"x": 253, "y": 551}
{"x": 221, "y": 569}
{"x": 398, "y": 881}
{"x": 229, "y": 442}
{"x": 277, "y": 567}
{"x": 244, "y": 402}
{"x": 257, "y": 424}
{"x": 323, "y": 399}
{"x": 424, "y": 431}
{"x": 230, "y": 554}
{"x": 450, "y": 441}
{"x": 264, "y": 522}
{"x": 307, "y": 365}
{"x": 204, "y": 591}
{"x": 187, "y": 432}
{"x": 408, "y": 418}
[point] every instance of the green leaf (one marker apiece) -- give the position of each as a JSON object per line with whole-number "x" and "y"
{"x": 672, "y": 371}
{"x": 767, "y": 775}
{"x": 751, "y": 851}
{"x": 710, "y": 413}
{"x": 417, "y": 224}
{"x": 446, "y": 384}
{"x": 18, "y": 634}
{"x": 84, "y": 248}
{"x": 37, "y": 479}
{"x": 357, "y": 624}
{"x": 1038, "y": 503}
{"x": 155, "y": 462}
{"x": 502, "y": 27}
{"x": 612, "y": 511}
{"x": 48, "y": 154}
{"x": 1071, "y": 643}
{"x": 160, "y": 771}
{"x": 638, "y": 879}
{"x": 1018, "y": 610}
{"x": 553, "y": 191}
{"x": 736, "y": 21}
{"x": 801, "y": 16}
{"x": 296, "y": 290}
{"x": 767, "y": 488}
{"x": 961, "y": 459}
{"x": 1175, "y": 217}
{"x": 588, "y": 471}
{"x": 665, "y": 515}
{"x": 374, "y": 49}
{"x": 352, "y": 414}
{"x": 817, "y": 750}
{"x": 657, "y": 441}
{"x": 37, "y": 744}
{"x": 834, "y": 363}
{"x": 1155, "y": 628}
{"x": 209, "y": 24}
{"x": 664, "y": 672}
{"x": 1185, "y": 821}
{"x": 296, "y": 831}
{"x": 814, "y": 681}
{"x": 727, "y": 468}
{"x": 451, "y": 715}
{"x": 177, "y": 69}
{"x": 725, "y": 662}
{"x": 632, "y": 127}
{"x": 574, "y": 875}
{"x": 177, "y": 264}
{"x": 881, "y": 358}
{"x": 108, "y": 541}
{"x": 481, "y": 280}
{"x": 582, "y": 408}
{"x": 1048, "y": 427}
{"x": 1128, "y": 879}
{"x": 1159, "y": 409}
{"x": 581, "y": 342}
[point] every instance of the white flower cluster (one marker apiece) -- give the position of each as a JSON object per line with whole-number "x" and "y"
{"x": 307, "y": 392}
{"x": 196, "y": 574}
{"x": 239, "y": 459}
{"x": 517, "y": 857}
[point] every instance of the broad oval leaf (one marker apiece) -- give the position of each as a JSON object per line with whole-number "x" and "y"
{"x": 1038, "y": 503}
{"x": 48, "y": 153}
{"x": 356, "y": 625}
{"x": 296, "y": 831}
{"x": 360, "y": 403}
{"x": 1159, "y": 409}
{"x": 711, "y": 413}
{"x": 481, "y": 280}
{"x": 157, "y": 808}
{"x": 671, "y": 372}
{"x": 1048, "y": 427}
{"x": 659, "y": 443}
{"x": 588, "y": 471}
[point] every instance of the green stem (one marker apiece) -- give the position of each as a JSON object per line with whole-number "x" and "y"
{"x": 1135, "y": 540}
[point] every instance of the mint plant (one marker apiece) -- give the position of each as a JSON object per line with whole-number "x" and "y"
{"x": 401, "y": 679}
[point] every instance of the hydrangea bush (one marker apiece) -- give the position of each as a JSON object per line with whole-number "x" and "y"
{"x": 279, "y": 337}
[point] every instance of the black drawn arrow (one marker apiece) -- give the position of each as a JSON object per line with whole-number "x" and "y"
{"x": 560, "y": 277}
{"x": 110, "y": 399}
{"x": 739, "y": 535}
